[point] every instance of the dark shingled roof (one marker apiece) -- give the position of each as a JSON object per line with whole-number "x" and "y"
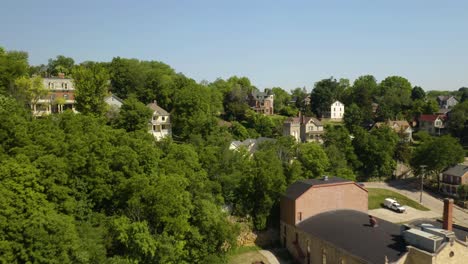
{"x": 298, "y": 188}
{"x": 349, "y": 230}
{"x": 457, "y": 171}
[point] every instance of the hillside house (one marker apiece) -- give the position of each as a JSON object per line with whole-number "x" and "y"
{"x": 304, "y": 129}
{"x": 401, "y": 127}
{"x": 61, "y": 96}
{"x": 261, "y": 102}
{"x": 446, "y": 101}
{"x": 160, "y": 123}
{"x": 433, "y": 124}
{"x": 336, "y": 112}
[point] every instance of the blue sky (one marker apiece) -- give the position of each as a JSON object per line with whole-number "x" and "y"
{"x": 274, "y": 43}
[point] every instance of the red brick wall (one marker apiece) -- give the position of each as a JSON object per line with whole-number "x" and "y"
{"x": 322, "y": 198}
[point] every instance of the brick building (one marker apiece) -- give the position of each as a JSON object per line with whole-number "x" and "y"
{"x": 326, "y": 221}
{"x": 61, "y": 96}
{"x": 261, "y": 102}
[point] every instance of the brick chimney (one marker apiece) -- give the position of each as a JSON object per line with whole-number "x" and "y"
{"x": 448, "y": 214}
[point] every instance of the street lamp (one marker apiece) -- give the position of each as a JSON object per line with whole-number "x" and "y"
{"x": 423, "y": 168}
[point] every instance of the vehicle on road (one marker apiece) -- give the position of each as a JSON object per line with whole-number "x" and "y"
{"x": 392, "y": 204}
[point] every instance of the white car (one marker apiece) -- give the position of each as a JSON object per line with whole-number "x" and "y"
{"x": 392, "y": 204}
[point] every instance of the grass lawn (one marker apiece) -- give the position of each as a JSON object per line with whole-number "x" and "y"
{"x": 244, "y": 255}
{"x": 377, "y": 197}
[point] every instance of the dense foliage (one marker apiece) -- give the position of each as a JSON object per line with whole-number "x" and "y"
{"x": 95, "y": 187}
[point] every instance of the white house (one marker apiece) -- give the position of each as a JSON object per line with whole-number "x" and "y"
{"x": 160, "y": 123}
{"x": 113, "y": 101}
{"x": 337, "y": 111}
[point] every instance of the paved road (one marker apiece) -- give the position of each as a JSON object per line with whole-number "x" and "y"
{"x": 460, "y": 216}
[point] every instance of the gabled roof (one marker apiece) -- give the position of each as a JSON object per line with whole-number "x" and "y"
{"x": 350, "y": 230}
{"x": 394, "y": 124}
{"x": 298, "y": 188}
{"x": 457, "y": 170}
{"x": 114, "y": 98}
{"x": 313, "y": 119}
{"x": 156, "y": 108}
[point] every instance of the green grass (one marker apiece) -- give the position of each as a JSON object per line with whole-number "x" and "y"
{"x": 246, "y": 254}
{"x": 377, "y": 197}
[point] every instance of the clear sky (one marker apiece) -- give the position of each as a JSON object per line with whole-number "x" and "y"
{"x": 274, "y": 43}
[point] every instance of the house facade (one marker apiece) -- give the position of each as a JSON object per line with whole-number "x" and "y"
{"x": 336, "y": 112}
{"x": 160, "y": 123}
{"x": 401, "y": 127}
{"x": 61, "y": 96}
{"x": 326, "y": 221}
{"x": 304, "y": 129}
{"x": 433, "y": 124}
{"x": 113, "y": 101}
{"x": 261, "y": 102}
{"x": 452, "y": 178}
{"x": 446, "y": 101}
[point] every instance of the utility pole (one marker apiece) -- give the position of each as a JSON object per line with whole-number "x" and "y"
{"x": 423, "y": 167}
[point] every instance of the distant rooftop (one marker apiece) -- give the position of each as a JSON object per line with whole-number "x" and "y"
{"x": 350, "y": 230}
{"x": 155, "y": 107}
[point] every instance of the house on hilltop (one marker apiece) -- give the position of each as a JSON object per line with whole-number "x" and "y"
{"x": 261, "y": 102}
{"x": 113, "y": 101}
{"x": 446, "y": 101}
{"x": 160, "y": 123}
{"x": 336, "y": 112}
{"x": 61, "y": 96}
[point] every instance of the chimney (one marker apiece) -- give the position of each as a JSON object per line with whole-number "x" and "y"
{"x": 155, "y": 102}
{"x": 61, "y": 75}
{"x": 448, "y": 214}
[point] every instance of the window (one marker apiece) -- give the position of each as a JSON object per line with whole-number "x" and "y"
{"x": 300, "y": 216}
{"x": 154, "y": 127}
{"x": 65, "y": 96}
{"x": 163, "y": 118}
{"x": 334, "y": 109}
{"x": 155, "y": 118}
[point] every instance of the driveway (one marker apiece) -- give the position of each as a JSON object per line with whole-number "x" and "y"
{"x": 411, "y": 190}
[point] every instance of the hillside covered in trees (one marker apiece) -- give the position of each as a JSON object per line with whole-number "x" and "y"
{"x": 97, "y": 188}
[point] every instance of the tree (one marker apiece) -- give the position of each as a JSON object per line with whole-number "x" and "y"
{"x": 458, "y": 121}
{"x": 91, "y": 83}
{"x": 29, "y": 90}
{"x": 60, "y": 64}
{"x": 437, "y": 155}
{"x": 313, "y": 159}
{"x": 463, "y": 91}
{"x": 353, "y": 117}
{"x": 282, "y": 99}
{"x": 418, "y": 93}
{"x": 133, "y": 115}
{"x": 394, "y": 94}
{"x": 13, "y": 64}
{"x": 375, "y": 151}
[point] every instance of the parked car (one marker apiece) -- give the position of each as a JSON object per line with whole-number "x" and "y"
{"x": 392, "y": 204}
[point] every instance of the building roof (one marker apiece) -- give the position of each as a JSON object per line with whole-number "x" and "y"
{"x": 298, "y": 188}
{"x": 429, "y": 118}
{"x": 443, "y": 111}
{"x": 396, "y": 125}
{"x": 350, "y": 230}
{"x": 156, "y": 108}
{"x": 113, "y": 97}
{"x": 457, "y": 170}
{"x": 313, "y": 119}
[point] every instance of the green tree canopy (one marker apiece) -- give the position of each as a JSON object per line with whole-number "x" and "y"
{"x": 91, "y": 83}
